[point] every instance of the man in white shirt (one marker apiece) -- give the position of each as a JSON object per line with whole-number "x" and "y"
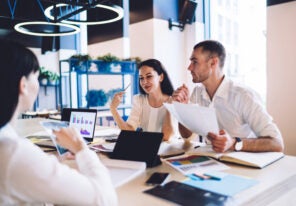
{"x": 244, "y": 123}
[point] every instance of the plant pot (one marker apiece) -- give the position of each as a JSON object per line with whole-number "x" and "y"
{"x": 44, "y": 82}
{"x": 53, "y": 82}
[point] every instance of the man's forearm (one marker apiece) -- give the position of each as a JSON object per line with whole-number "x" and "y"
{"x": 262, "y": 144}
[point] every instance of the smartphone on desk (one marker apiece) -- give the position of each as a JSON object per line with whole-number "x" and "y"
{"x": 158, "y": 178}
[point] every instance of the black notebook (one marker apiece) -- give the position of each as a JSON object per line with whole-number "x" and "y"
{"x": 183, "y": 194}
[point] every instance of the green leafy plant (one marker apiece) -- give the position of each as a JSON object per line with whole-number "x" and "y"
{"x": 78, "y": 61}
{"x": 48, "y": 75}
{"x": 108, "y": 58}
{"x": 81, "y": 57}
{"x": 136, "y": 59}
{"x": 112, "y": 63}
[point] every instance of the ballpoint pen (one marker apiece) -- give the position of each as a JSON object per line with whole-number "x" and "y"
{"x": 126, "y": 87}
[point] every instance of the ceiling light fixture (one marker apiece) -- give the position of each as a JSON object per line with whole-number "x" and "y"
{"x": 54, "y": 29}
{"x": 118, "y": 11}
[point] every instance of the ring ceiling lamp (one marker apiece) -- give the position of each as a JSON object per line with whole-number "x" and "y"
{"x": 55, "y": 30}
{"x": 116, "y": 9}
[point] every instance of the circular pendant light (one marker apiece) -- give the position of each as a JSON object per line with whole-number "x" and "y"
{"x": 43, "y": 28}
{"x": 116, "y": 9}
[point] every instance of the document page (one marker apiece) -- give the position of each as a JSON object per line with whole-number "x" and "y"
{"x": 200, "y": 120}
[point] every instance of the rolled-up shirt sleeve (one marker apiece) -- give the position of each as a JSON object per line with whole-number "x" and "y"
{"x": 257, "y": 117}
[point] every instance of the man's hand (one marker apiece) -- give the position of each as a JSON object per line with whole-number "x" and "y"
{"x": 181, "y": 94}
{"x": 221, "y": 142}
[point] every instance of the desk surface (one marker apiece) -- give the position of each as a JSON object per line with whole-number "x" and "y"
{"x": 277, "y": 182}
{"x": 273, "y": 183}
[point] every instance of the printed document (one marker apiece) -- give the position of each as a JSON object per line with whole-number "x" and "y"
{"x": 200, "y": 120}
{"x": 194, "y": 164}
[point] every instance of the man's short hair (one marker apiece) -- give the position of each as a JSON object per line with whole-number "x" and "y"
{"x": 214, "y": 48}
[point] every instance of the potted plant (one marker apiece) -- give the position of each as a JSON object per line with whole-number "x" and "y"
{"x": 48, "y": 77}
{"x": 135, "y": 59}
{"x": 80, "y": 62}
{"x": 108, "y": 63}
{"x": 43, "y": 76}
{"x": 54, "y": 78}
{"x": 128, "y": 66}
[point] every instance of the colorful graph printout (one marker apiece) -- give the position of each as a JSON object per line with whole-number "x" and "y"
{"x": 195, "y": 164}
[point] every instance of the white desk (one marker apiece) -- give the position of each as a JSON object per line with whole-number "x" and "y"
{"x": 277, "y": 182}
{"x": 271, "y": 186}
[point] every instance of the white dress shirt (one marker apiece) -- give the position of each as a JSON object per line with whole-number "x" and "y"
{"x": 144, "y": 116}
{"x": 239, "y": 110}
{"x": 28, "y": 176}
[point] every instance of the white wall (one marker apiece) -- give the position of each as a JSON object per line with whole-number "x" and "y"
{"x": 169, "y": 49}
{"x": 141, "y": 39}
{"x": 49, "y": 60}
{"x": 153, "y": 39}
{"x": 281, "y": 70}
{"x": 115, "y": 47}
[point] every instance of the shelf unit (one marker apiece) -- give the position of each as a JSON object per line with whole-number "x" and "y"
{"x": 75, "y": 81}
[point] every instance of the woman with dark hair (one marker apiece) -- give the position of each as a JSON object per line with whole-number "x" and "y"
{"x": 28, "y": 176}
{"x": 148, "y": 112}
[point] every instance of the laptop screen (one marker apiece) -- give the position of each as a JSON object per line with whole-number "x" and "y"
{"x": 84, "y": 121}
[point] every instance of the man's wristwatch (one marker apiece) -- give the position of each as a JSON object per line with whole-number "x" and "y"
{"x": 238, "y": 144}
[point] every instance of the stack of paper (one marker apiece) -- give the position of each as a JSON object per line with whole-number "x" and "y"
{"x": 198, "y": 119}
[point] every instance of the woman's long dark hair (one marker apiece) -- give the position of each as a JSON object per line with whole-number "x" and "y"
{"x": 16, "y": 61}
{"x": 166, "y": 85}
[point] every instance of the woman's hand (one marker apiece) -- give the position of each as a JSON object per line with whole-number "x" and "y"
{"x": 70, "y": 138}
{"x": 116, "y": 100}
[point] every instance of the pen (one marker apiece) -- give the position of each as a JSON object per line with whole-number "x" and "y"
{"x": 171, "y": 155}
{"x": 193, "y": 177}
{"x": 127, "y": 87}
{"x": 196, "y": 147}
{"x": 110, "y": 140}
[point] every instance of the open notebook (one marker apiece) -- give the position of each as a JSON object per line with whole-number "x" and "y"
{"x": 251, "y": 159}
